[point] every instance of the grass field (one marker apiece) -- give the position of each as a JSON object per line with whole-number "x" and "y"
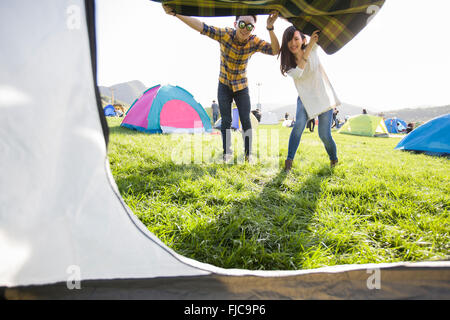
{"x": 378, "y": 205}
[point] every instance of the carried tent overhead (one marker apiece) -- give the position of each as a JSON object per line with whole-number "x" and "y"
{"x": 339, "y": 21}
{"x": 365, "y": 125}
{"x": 66, "y": 232}
{"x": 433, "y": 137}
{"x": 167, "y": 109}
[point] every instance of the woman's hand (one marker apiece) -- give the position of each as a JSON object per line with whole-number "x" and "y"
{"x": 271, "y": 19}
{"x": 301, "y": 62}
{"x": 314, "y": 37}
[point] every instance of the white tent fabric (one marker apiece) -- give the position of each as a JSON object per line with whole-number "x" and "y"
{"x": 60, "y": 207}
{"x": 59, "y": 204}
{"x": 269, "y": 118}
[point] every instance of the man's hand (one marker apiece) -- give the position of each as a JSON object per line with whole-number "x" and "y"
{"x": 194, "y": 23}
{"x": 271, "y": 19}
{"x": 273, "y": 38}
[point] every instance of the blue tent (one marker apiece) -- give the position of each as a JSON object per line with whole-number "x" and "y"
{"x": 109, "y": 111}
{"x": 235, "y": 121}
{"x": 395, "y": 125}
{"x": 431, "y": 138}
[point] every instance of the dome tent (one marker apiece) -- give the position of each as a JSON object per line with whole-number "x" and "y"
{"x": 167, "y": 109}
{"x": 395, "y": 125}
{"x": 433, "y": 137}
{"x": 365, "y": 125}
{"x": 109, "y": 111}
{"x": 77, "y": 219}
{"x": 235, "y": 122}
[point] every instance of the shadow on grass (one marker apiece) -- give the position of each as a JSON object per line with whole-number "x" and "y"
{"x": 267, "y": 231}
{"x": 154, "y": 176}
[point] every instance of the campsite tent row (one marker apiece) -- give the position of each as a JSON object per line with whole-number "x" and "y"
{"x": 172, "y": 109}
{"x": 432, "y": 138}
{"x": 63, "y": 220}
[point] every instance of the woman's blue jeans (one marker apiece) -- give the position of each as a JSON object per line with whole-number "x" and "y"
{"x": 301, "y": 118}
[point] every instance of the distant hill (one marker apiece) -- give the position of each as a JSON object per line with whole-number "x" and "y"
{"x": 126, "y": 91}
{"x": 417, "y": 114}
{"x": 345, "y": 109}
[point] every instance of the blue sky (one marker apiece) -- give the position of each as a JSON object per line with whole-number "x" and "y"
{"x": 401, "y": 59}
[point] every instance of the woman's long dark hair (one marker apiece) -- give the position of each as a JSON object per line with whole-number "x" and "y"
{"x": 287, "y": 58}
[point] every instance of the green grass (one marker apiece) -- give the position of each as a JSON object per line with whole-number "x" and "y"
{"x": 378, "y": 205}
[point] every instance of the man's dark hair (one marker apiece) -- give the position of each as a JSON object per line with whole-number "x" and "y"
{"x": 252, "y": 15}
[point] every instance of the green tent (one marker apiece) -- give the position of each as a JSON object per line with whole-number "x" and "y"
{"x": 365, "y": 125}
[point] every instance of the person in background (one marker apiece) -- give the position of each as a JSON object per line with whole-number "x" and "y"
{"x": 311, "y": 124}
{"x": 335, "y": 121}
{"x": 257, "y": 114}
{"x": 215, "y": 111}
{"x": 409, "y": 127}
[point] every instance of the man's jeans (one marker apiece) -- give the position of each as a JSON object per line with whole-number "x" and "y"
{"x": 324, "y": 131}
{"x": 225, "y": 97}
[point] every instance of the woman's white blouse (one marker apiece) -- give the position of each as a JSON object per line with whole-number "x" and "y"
{"x": 313, "y": 87}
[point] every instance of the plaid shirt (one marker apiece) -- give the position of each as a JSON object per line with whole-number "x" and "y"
{"x": 339, "y": 20}
{"x": 234, "y": 55}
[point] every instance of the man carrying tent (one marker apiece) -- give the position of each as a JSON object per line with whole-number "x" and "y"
{"x": 236, "y": 47}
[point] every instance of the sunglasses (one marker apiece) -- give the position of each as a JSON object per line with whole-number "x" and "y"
{"x": 242, "y": 25}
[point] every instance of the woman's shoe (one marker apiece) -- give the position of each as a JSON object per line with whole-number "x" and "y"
{"x": 287, "y": 165}
{"x": 333, "y": 163}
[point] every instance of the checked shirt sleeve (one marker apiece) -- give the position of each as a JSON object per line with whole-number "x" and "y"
{"x": 213, "y": 32}
{"x": 263, "y": 46}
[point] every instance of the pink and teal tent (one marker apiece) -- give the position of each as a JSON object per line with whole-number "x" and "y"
{"x": 167, "y": 109}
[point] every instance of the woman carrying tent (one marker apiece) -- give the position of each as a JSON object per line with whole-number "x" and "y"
{"x": 316, "y": 96}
